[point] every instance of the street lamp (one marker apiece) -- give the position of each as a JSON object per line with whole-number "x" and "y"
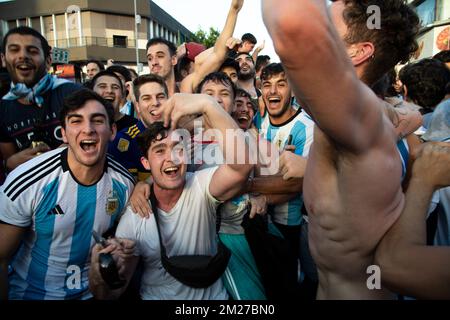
{"x": 137, "y": 21}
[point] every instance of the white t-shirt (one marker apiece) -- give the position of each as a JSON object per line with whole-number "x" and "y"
{"x": 188, "y": 229}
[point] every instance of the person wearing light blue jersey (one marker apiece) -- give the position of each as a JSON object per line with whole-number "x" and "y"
{"x": 51, "y": 205}
{"x": 282, "y": 121}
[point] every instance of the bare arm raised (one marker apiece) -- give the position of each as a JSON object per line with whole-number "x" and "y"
{"x": 231, "y": 176}
{"x": 321, "y": 73}
{"x": 218, "y": 54}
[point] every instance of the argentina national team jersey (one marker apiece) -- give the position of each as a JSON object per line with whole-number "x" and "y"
{"x": 301, "y": 127}
{"x": 403, "y": 150}
{"x": 60, "y": 214}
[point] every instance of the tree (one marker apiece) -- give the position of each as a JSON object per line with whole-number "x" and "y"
{"x": 208, "y": 39}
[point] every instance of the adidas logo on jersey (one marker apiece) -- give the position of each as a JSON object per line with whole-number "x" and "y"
{"x": 56, "y": 210}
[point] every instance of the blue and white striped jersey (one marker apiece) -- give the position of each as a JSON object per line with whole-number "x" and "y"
{"x": 60, "y": 214}
{"x": 301, "y": 127}
{"x": 403, "y": 150}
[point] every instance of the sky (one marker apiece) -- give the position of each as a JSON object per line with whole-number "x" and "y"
{"x": 195, "y": 14}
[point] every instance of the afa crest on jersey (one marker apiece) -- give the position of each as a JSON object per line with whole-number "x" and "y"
{"x": 123, "y": 145}
{"x": 112, "y": 203}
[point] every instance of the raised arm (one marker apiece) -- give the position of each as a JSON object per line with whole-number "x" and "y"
{"x": 321, "y": 73}
{"x": 231, "y": 176}
{"x": 408, "y": 266}
{"x": 218, "y": 55}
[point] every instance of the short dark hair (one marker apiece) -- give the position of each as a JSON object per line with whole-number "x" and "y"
{"x": 121, "y": 70}
{"x": 24, "y": 31}
{"x": 155, "y": 132}
{"x": 146, "y": 78}
{"x": 443, "y": 56}
{"x": 218, "y": 77}
{"x": 270, "y": 70}
{"x": 244, "y": 54}
{"x": 100, "y": 65}
{"x": 183, "y": 64}
{"x": 133, "y": 73}
{"x": 425, "y": 81}
{"x": 394, "y": 42}
{"x": 106, "y": 73}
{"x": 261, "y": 62}
{"x": 159, "y": 40}
{"x": 77, "y": 99}
{"x": 230, "y": 63}
{"x": 249, "y": 37}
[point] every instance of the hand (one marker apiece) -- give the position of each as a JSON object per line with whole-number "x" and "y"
{"x": 139, "y": 200}
{"x": 233, "y": 43}
{"x": 405, "y": 120}
{"x": 432, "y": 164}
{"x": 181, "y": 50}
{"x": 183, "y": 104}
{"x": 259, "y": 205}
{"x": 261, "y": 47}
{"x": 237, "y": 4}
{"x": 123, "y": 252}
{"x": 23, "y": 156}
{"x": 120, "y": 249}
{"x": 110, "y": 62}
{"x": 289, "y": 147}
{"x": 292, "y": 165}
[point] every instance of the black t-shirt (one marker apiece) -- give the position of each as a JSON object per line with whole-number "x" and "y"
{"x": 21, "y": 124}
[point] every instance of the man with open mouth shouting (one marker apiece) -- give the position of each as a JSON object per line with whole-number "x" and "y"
{"x": 29, "y": 123}
{"x": 186, "y": 202}
{"x": 52, "y": 203}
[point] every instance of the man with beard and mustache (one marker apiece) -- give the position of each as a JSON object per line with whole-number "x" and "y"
{"x": 29, "y": 123}
{"x": 246, "y": 74}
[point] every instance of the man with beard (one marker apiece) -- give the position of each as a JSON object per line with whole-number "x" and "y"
{"x": 246, "y": 74}
{"x": 352, "y": 184}
{"x": 51, "y": 205}
{"x": 29, "y": 113}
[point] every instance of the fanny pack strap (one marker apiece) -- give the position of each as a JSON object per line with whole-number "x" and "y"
{"x": 155, "y": 212}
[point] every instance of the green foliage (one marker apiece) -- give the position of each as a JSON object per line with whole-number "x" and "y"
{"x": 208, "y": 39}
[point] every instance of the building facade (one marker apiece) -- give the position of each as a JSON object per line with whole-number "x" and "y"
{"x": 435, "y": 32}
{"x": 95, "y": 29}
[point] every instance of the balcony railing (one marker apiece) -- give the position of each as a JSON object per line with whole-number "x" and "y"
{"x": 93, "y": 41}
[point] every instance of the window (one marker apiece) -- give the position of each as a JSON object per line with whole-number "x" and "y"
{"x": 120, "y": 41}
{"x": 426, "y": 12}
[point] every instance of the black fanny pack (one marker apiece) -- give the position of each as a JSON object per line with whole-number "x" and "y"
{"x": 196, "y": 271}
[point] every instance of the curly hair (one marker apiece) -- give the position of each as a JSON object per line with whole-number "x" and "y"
{"x": 443, "y": 56}
{"x": 394, "y": 42}
{"x": 155, "y": 132}
{"x": 426, "y": 82}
